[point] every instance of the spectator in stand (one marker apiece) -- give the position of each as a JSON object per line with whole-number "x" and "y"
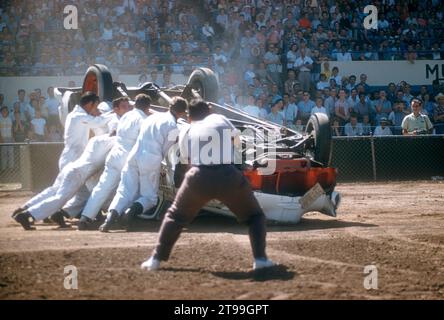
{"x": 353, "y": 128}
{"x": 416, "y": 123}
{"x": 351, "y": 83}
{"x": 38, "y": 125}
{"x": 336, "y": 129}
{"x": 363, "y": 82}
{"x": 251, "y": 108}
{"x": 292, "y": 55}
{"x": 396, "y": 116}
{"x": 383, "y": 129}
{"x": 330, "y": 103}
{"x": 438, "y": 114}
{"x": 276, "y": 115}
{"x": 6, "y": 136}
{"x": 342, "y": 108}
{"x": 382, "y": 107}
{"x": 319, "y": 108}
{"x": 273, "y": 63}
{"x": 323, "y": 82}
{"x": 290, "y": 111}
{"x": 343, "y": 55}
{"x": 304, "y": 65}
{"x": 391, "y": 93}
{"x": 366, "y": 126}
{"x": 53, "y": 108}
{"x": 304, "y": 107}
{"x": 335, "y": 76}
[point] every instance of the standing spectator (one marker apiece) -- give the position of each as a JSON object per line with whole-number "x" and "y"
{"x": 438, "y": 114}
{"x": 382, "y": 107}
{"x": 366, "y": 126}
{"x": 363, "y": 82}
{"x": 304, "y": 107}
{"x": 363, "y": 107}
{"x": 53, "y": 108}
{"x": 353, "y": 128}
{"x": 416, "y": 123}
{"x": 38, "y": 125}
{"x": 397, "y": 116}
{"x": 273, "y": 63}
{"x": 208, "y": 33}
{"x": 6, "y": 152}
{"x": 383, "y": 129}
{"x": 276, "y": 115}
{"x": 342, "y": 108}
{"x": 292, "y": 55}
{"x": 290, "y": 110}
{"x": 330, "y": 103}
{"x": 304, "y": 64}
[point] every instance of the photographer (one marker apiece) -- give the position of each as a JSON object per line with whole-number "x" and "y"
{"x": 416, "y": 123}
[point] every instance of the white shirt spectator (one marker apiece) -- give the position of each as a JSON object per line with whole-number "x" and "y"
{"x": 53, "y": 106}
{"x": 351, "y": 131}
{"x": 346, "y": 56}
{"x": 382, "y": 132}
{"x": 320, "y": 109}
{"x": 301, "y": 62}
{"x": 39, "y": 126}
{"x": 254, "y": 111}
{"x": 321, "y": 85}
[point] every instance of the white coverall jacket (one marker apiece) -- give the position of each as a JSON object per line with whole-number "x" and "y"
{"x": 77, "y": 128}
{"x": 126, "y": 136}
{"x": 141, "y": 173}
{"x": 71, "y": 178}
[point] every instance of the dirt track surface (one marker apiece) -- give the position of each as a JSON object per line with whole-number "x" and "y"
{"x": 398, "y": 227}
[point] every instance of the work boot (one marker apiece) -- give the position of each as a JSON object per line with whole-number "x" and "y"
{"x": 17, "y": 211}
{"x": 131, "y": 214}
{"x": 85, "y": 224}
{"x": 59, "y": 218}
{"x": 111, "y": 219}
{"x": 24, "y": 218}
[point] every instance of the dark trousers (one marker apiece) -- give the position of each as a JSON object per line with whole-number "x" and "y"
{"x": 202, "y": 184}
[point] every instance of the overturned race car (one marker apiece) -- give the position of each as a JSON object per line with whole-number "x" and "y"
{"x": 300, "y": 180}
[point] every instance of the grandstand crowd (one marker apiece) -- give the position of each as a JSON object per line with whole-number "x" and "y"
{"x": 271, "y": 57}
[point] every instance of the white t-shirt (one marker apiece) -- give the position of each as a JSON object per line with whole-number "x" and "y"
{"x": 252, "y": 111}
{"x": 319, "y": 110}
{"x": 39, "y": 126}
{"x": 5, "y": 127}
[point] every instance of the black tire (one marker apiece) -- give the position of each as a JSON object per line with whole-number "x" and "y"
{"x": 104, "y": 81}
{"x": 319, "y": 127}
{"x": 204, "y": 81}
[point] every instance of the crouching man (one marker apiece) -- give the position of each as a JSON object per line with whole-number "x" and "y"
{"x": 210, "y": 177}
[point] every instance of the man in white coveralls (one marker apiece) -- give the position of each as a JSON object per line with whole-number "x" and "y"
{"x": 126, "y": 136}
{"x": 140, "y": 175}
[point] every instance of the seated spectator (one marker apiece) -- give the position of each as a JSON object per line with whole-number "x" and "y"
{"x": 343, "y": 55}
{"x": 351, "y": 83}
{"x": 336, "y": 129}
{"x": 335, "y": 76}
{"x": 276, "y": 115}
{"x": 383, "y": 129}
{"x": 353, "y": 128}
{"x": 319, "y": 108}
{"x": 397, "y": 116}
{"x": 299, "y": 126}
{"x": 323, "y": 82}
{"x": 363, "y": 82}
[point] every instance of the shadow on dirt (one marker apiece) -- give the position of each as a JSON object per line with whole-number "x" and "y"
{"x": 213, "y": 223}
{"x": 279, "y": 272}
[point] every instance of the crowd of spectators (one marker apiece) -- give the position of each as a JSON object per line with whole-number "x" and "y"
{"x": 271, "y": 57}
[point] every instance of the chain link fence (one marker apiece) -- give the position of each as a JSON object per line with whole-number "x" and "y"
{"x": 34, "y": 166}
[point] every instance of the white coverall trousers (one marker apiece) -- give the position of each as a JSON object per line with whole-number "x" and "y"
{"x": 139, "y": 182}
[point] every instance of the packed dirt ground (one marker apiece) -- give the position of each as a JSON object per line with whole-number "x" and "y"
{"x": 398, "y": 227}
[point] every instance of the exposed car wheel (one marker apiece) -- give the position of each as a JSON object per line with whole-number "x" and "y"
{"x": 204, "y": 81}
{"x": 319, "y": 127}
{"x": 98, "y": 79}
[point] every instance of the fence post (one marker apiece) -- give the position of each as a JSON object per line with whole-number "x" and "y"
{"x": 25, "y": 166}
{"x": 372, "y": 144}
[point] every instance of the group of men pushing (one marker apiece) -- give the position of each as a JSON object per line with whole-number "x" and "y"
{"x": 119, "y": 168}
